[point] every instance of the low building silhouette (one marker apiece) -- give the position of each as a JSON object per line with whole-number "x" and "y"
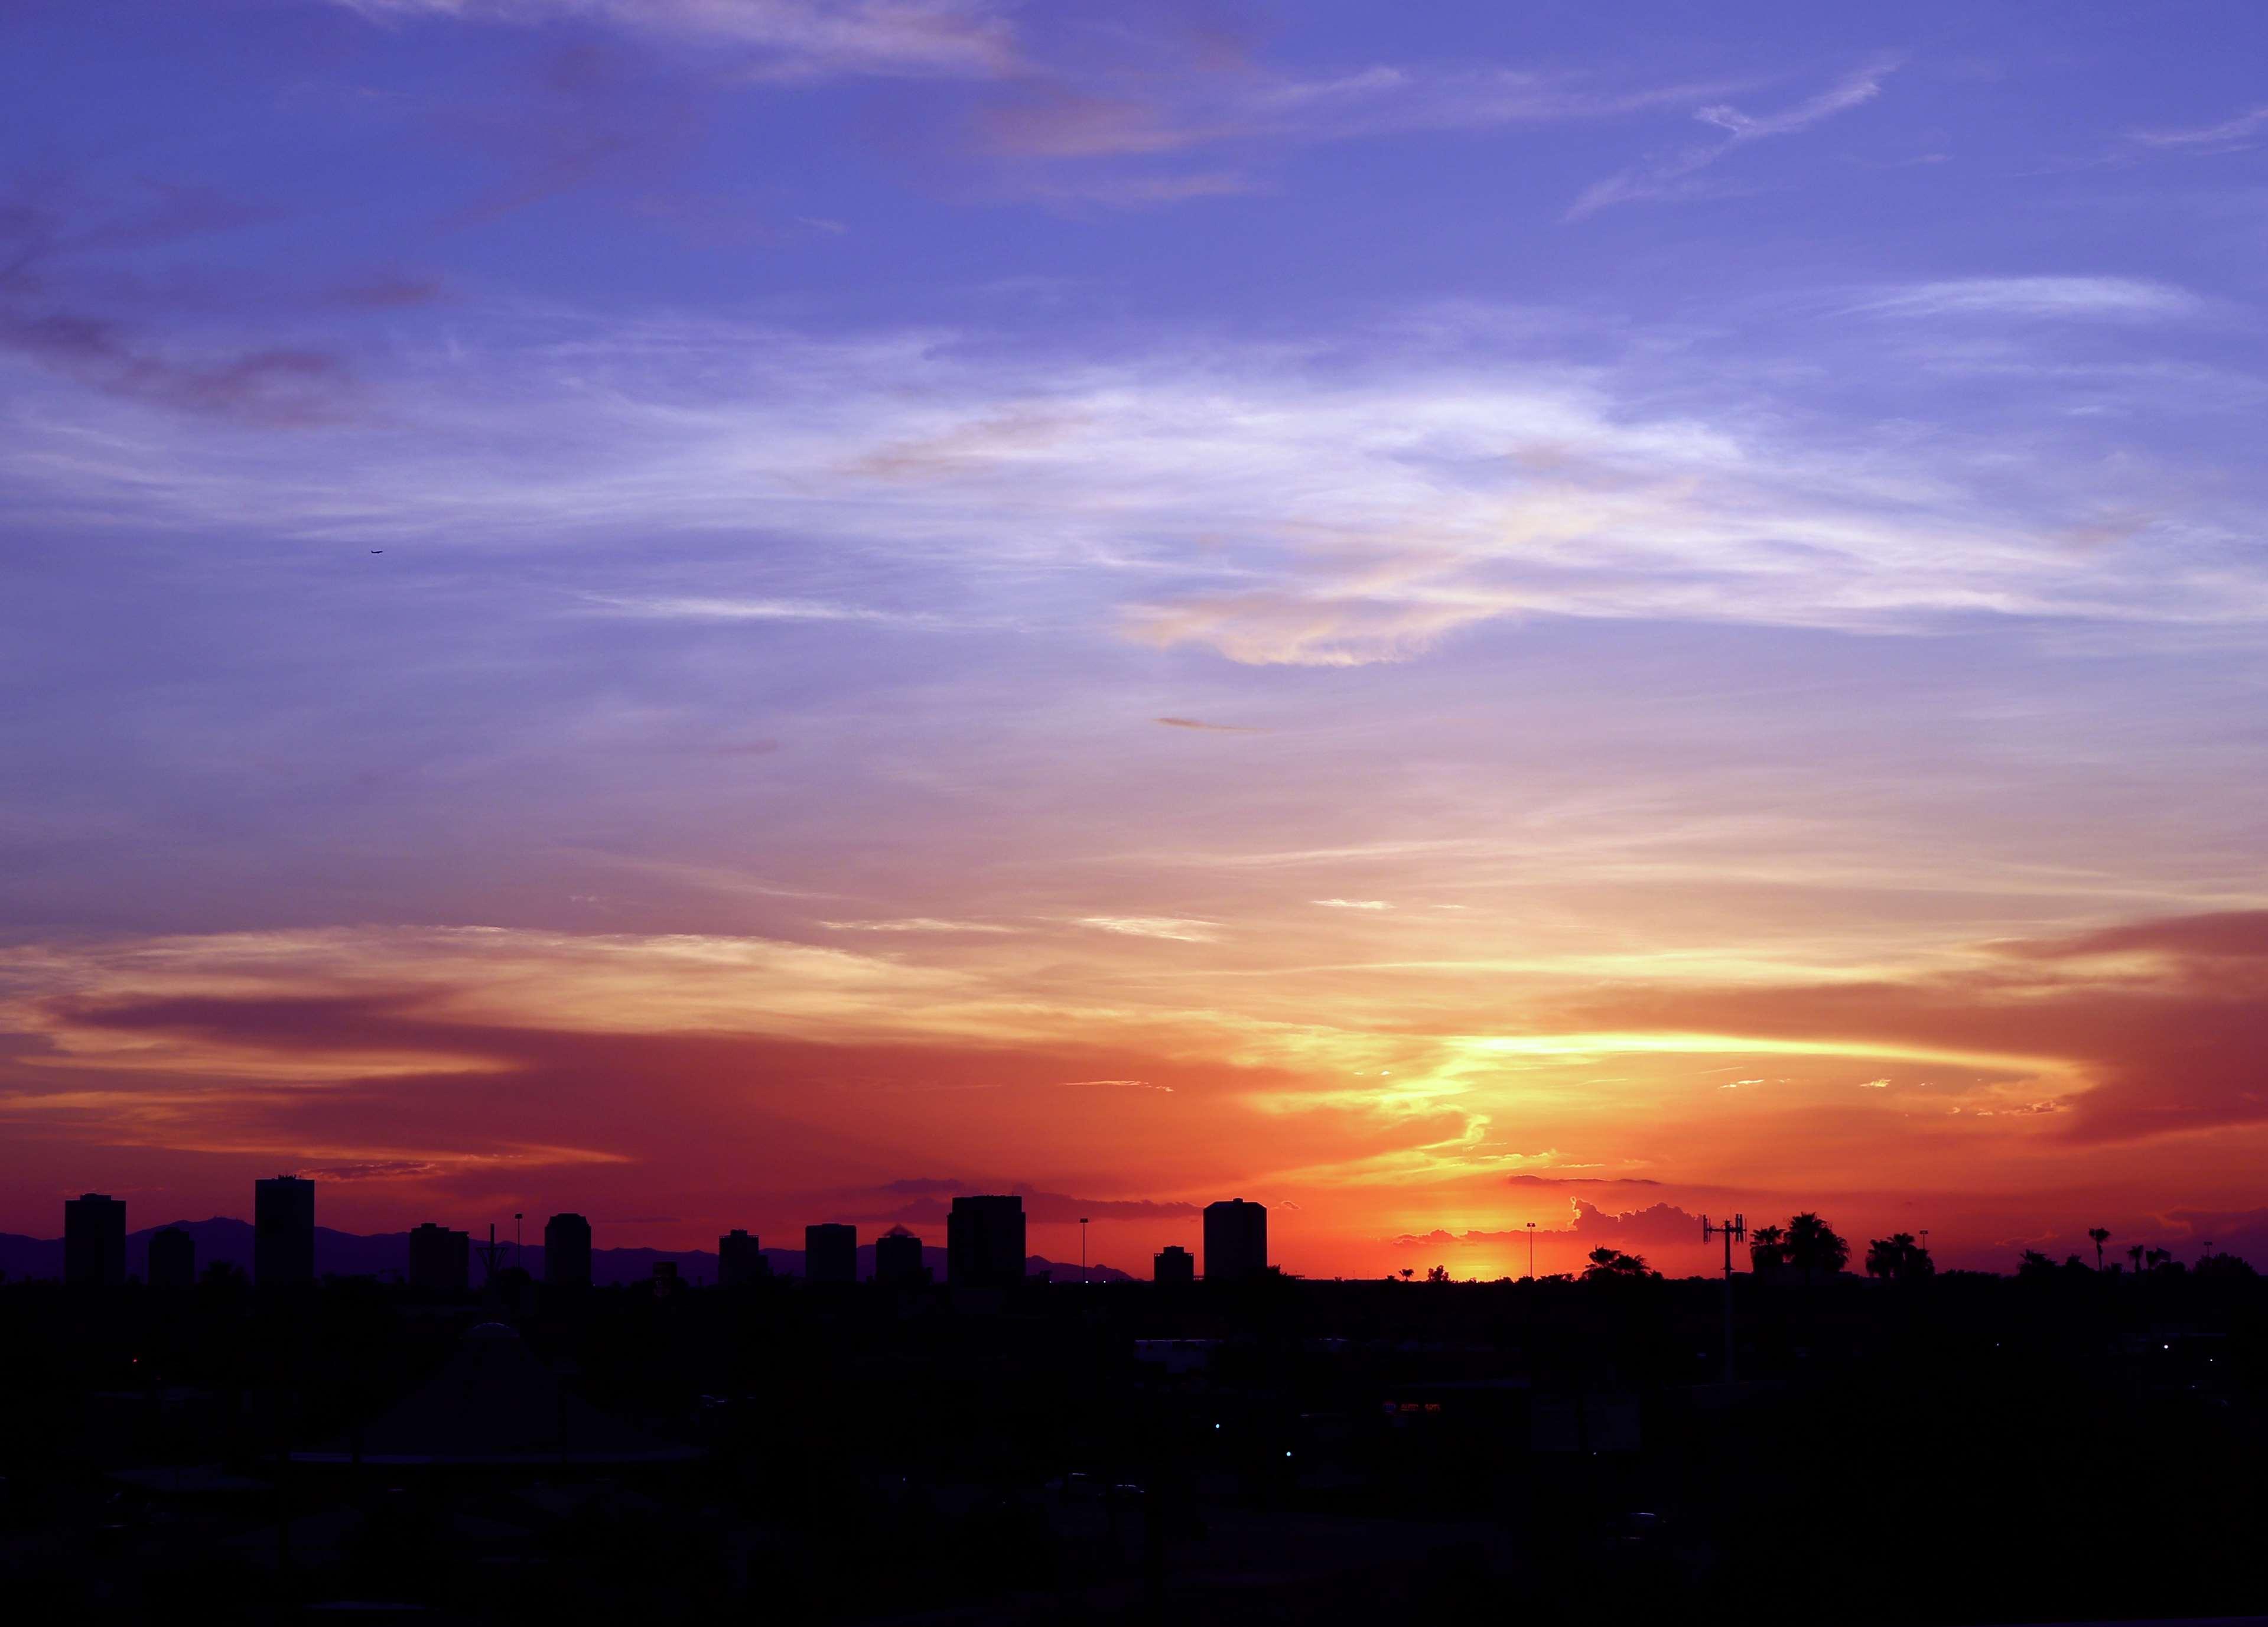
{"x": 1176, "y": 1267}
{"x": 984, "y": 1242}
{"x": 830, "y": 1253}
{"x": 1235, "y": 1241}
{"x": 94, "y": 1240}
{"x": 898, "y": 1258}
{"x": 494, "y": 1409}
{"x": 441, "y": 1260}
{"x": 567, "y": 1251}
{"x": 283, "y": 1232}
{"x": 173, "y": 1258}
{"x": 738, "y": 1260}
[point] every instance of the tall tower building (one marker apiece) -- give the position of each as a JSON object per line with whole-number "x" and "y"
{"x": 830, "y": 1254}
{"x": 984, "y": 1242}
{"x": 567, "y": 1251}
{"x": 441, "y": 1260}
{"x": 738, "y": 1260}
{"x": 898, "y": 1258}
{"x": 173, "y": 1259}
{"x": 283, "y": 1232}
{"x": 1176, "y": 1267}
{"x": 1235, "y": 1241}
{"x": 94, "y": 1240}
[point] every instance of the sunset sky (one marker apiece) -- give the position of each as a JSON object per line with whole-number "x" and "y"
{"x": 740, "y": 612}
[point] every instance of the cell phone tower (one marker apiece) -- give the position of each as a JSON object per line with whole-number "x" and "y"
{"x": 1735, "y": 1228}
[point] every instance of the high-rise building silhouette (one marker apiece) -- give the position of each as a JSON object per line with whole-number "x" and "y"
{"x": 441, "y": 1260}
{"x": 173, "y": 1258}
{"x": 898, "y": 1258}
{"x": 567, "y": 1251}
{"x": 830, "y": 1253}
{"x": 94, "y": 1240}
{"x": 984, "y": 1242}
{"x": 283, "y": 1232}
{"x": 738, "y": 1260}
{"x": 1235, "y": 1241}
{"x": 1174, "y": 1267}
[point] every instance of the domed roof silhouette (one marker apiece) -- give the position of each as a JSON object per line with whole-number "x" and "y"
{"x": 496, "y": 1405}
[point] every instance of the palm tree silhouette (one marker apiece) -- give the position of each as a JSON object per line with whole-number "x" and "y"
{"x": 1767, "y": 1249}
{"x": 2101, "y": 1235}
{"x": 1813, "y": 1246}
{"x": 1898, "y": 1258}
{"x": 2134, "y": 1253}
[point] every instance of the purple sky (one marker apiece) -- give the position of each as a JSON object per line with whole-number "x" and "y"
{"x": 1411, "y": 580}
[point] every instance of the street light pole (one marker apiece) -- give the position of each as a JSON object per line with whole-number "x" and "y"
{"x": 1082, "y": 1251}
{"x": 1531, "y": 1251}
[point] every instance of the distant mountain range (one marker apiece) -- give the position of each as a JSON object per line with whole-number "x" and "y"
{"x": 347, "y": 1254}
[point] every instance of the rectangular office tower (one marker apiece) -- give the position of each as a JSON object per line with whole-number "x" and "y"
{"x": 984, "y": 1242}
{"x": 173, "y": 1258}
{"x": 738, "y": 1260}
{"x": 898, "y": 1259}
{"x": 830, "y": 1254}
{"x": 283, "y": 1232}
{"x": 1235, "y": 1241}
{"x": 1174, "y": 1268}
{"x": 441, "y": 1260}
{"x": 567, "y": 1251}
{"x": 94, "y": 1240}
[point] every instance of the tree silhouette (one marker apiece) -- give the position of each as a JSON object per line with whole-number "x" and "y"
{"x": 2034, "y": 1264}
{"x": 1437, "y": 1273}
{"x": 2101, "y": 1235}
{"x": 1613, "y": 1265}
{"x": 1767, "y": 1249}
{"x": 2135, "y": 1252}
{"x": 1898, "y": 1258}
{"x": 1813, "y": 1246}
{"x": 1408, "y": 1272}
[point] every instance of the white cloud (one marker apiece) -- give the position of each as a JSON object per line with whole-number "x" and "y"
{"x": 2072, "y": 298}
{"x": 1873, "y": 1084}
{"x": 923, "y": 38}
{"x": 696, "y": 608}
{"x": 1353, "y": 903}
{"x": 2229, "y": 136}
{"x": 1243, "y": 500}
{"x": 1670, "y": 177}
{"x": 915, "y": 924}
{"x": 1180, "y": 928}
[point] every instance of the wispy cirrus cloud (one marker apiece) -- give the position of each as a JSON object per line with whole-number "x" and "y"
{"x": 1673, "y": 177}
{"x": 695, "y": 608}
{"x": 2231, "y": 135}
{"x": 1211, "y": 728}
{"x": 1252, "y": 500}
{"x": 1177, "y": 929}
{"x": 788, "y": 39}
{"x": 2077, "y": 298}
{"x": 915, "y": 924}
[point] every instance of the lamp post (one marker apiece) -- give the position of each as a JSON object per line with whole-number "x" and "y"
{"x": 1531, "y": 1251}
{"x": 1082, "y": 1250}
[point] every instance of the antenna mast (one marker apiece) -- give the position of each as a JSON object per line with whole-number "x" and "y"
{"x": 1737, "y": 1227}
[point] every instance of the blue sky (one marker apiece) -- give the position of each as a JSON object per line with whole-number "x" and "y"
{"x": 1268, "y": 537}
